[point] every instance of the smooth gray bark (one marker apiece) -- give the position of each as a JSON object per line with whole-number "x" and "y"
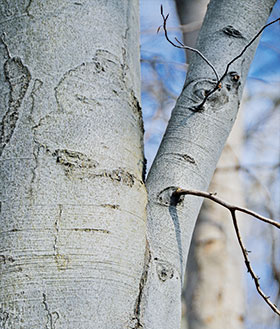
{"x": 73, "y": 219}
{"x": 190, "y": 150}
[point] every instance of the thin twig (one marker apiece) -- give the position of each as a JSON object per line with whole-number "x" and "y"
{"x": 219, "y": 80}
{"x": 232, "y": 208}
{"x": 182, "y": 46}
{"x": 218, "y": 84}
{"x": 227, "y": 205}
{"x": 248, "y": 45}
{"x": 255, "y": 278}
{"x": 185, "y": 28}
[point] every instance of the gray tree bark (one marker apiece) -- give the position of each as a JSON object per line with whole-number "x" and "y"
{"x": 72, "y": 193}
{"x": 73, "y": 221}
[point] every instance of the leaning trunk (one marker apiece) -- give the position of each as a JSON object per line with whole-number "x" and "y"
{"x": 213, "y": 293}
{"x": 190, "y": 149}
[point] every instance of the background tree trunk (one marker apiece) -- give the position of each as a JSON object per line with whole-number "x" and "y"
{"x": 214, "y": 290}
{"x": 190, "y": 11}
{"x": 72, "y": 193}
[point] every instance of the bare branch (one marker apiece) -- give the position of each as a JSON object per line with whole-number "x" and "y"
{"x": 218, "y": 84}
{"x": 249, "y": 267}
{"x": 233, "y": 209}
{"x": 182, "y": 46}
{"x": 227, "y": 205}
{"x": 219, "y": 80}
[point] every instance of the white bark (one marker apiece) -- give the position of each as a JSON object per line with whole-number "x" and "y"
{"x": 72, "y": 195}
{"x": 190, "y": 150}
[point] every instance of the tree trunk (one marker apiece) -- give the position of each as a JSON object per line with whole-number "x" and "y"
{"x": 215, "y": 271}
{"x": 72, "y": 193}
{"x": 190, "y": 150}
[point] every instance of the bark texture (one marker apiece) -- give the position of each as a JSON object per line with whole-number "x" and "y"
{"x": 73, "y": 219}
{"x": 190, "y": 150}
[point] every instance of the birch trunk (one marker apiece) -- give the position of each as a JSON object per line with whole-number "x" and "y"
{"x": 213, "y": 294}
{"x": 190, "y": 150}
{"x": 72, "y": 193}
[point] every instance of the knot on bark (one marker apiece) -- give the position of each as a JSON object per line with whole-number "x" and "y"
{"x": 167, "y": 197}
{"x": 232, "y": 32}
{"x": 164, "y": 271}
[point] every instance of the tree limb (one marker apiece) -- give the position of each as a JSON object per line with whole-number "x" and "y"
{"x": 219, "y": 80}
{"x": 232, "y": 208}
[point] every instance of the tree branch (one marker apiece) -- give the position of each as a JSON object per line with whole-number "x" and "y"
{"x": 218, "y": 84}
{"x": 232, "y": 208}
{"x": 182, "y": 46}
{"x": 219, "y": 80}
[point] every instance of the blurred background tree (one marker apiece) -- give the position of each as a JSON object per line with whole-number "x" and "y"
{"x": 247, "y": 174}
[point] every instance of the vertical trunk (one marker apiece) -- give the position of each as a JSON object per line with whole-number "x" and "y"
{"x": 72, "y": 194}
{"x": 190, "y": 11}
{"x": 190, "y": 150}
{"x": 214, "y": 288}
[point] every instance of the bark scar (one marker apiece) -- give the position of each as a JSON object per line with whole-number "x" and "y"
{"x": 232, "y": 32}
{"x": 52, "y": 317}
{"x": 4, "y": 316}
{"x": 136, "y": 320}
{"x": 18, "y": 77}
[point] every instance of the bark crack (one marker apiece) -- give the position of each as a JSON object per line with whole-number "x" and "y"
{"x": 4, "y": 316}
{"x": 36, "y": 87}
{"x": 36, "y": 150}
{"x": 52, "y": 317}
{"x": 56, "y": 229}
{"x": 18, "y": 77}
{"x": 27, "y": 9}
{"x": 61, "y": 260}
{"x": 91, "y": 230}
{"x": 136, "y": 320}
